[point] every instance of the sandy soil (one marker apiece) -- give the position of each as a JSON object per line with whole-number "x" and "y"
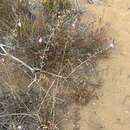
{"x": 112, "y": 110}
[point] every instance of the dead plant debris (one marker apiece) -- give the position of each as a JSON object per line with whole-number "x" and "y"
{"x": 57, "y": 56}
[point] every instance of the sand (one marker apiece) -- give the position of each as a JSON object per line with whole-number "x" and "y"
{"x": 112, "y": 110}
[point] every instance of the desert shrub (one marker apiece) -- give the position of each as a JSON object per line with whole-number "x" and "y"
{"x": 57, "y": 53}
{"x": 19, "y": 109}
{"x": 10, "y": 12}
{"x": 55, "y": 6}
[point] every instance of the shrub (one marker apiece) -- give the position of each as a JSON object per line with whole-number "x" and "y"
{"x": 57, "y": 53}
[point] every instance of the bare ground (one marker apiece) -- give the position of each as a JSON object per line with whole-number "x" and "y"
{"x": 112, "y": 110}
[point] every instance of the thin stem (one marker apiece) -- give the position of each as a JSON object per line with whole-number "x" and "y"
{"x": 95, "y": 54}
{"x": 46, "y": 95}
{"x": 17, "y": 114}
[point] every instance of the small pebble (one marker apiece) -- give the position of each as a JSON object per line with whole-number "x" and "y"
{"x": 94, "y": 103}
{"x": 126, "y": 112}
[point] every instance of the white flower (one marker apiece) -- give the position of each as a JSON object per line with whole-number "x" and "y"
{"x": 40, "y": 40}
{"x": 20, "y": 127}
{"x": 59, "y": 16}
{"x": 19, "y": 24}
{"x": 112, "y": 45}
{"x": 73, "y": 25}
{"x": 2, "y": 60}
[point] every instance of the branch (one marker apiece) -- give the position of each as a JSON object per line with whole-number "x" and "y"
{"x": 5, "y": 53}
{"x": 90, "y": 57}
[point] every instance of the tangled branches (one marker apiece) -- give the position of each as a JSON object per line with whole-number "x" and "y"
{"x": 57, "y": 56}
